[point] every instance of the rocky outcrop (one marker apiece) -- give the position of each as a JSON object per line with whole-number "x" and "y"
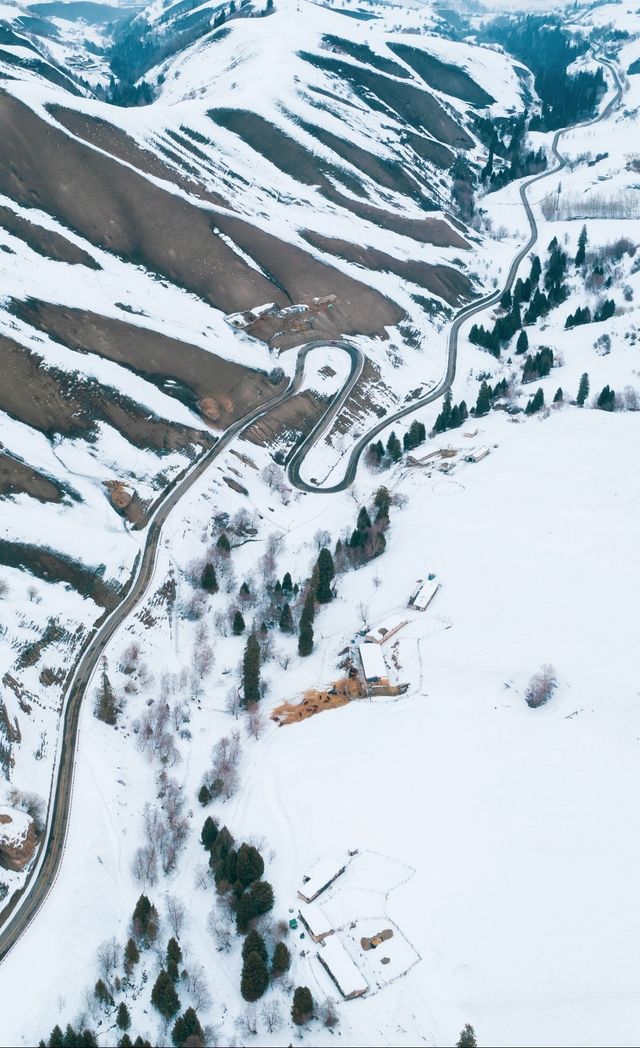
{"x": 17, "y": 838}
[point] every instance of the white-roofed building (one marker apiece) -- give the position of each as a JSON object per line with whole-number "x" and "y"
{"x": 373, "y": 665}
{"x": 320, "y": 876}
{"x": 344, "y": 972}
{"x": 316, "y": 921}
{"x": 425, "y": 594}
{"x": 386, "y": 629}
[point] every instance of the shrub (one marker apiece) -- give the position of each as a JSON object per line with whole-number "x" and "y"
{"x": 302, "y": 1007}
{"x": 541, "y": 687}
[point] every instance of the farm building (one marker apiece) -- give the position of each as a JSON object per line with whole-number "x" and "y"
{"x": 374, "y": 667}
{"x": 386, "y": 629}
{"x": 316, "y": 921}
{"x": 338, "y": 964}
{"x": 425, "y": 594}
{"x": 323, "y": 873}
{"x": 477, "y": 454}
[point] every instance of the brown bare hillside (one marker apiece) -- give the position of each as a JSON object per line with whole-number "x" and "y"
{"x": 17, "y": 478}
{"x": 45, "y": 241}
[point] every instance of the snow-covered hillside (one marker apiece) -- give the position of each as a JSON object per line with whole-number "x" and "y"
{"x": 302, "y": 174}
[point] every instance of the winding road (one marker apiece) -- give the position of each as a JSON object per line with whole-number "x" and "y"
{"x": 24, "y": 905}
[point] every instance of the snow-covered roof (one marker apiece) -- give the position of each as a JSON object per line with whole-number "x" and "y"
{"x": 315, "y": 919}
{"x": 346, "y": 973}
{"x": 385, "y": 629}
{"x": 320, "y": 875}
{"x": 425, "y": 594}
{"x": 372, "y": 660}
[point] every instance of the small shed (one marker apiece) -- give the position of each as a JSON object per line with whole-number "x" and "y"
{"x": 386, "y": 629}
{"x": 323, "y": 873}
{"x": 342, "y": 970}
{"x": 374, "y": 667}
{"x": 316, "y": 921}
{"x": 425, "y": 594}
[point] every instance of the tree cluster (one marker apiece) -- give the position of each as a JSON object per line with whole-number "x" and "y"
{"x": 538, "y": 365}
{"x": 451, "y": 416}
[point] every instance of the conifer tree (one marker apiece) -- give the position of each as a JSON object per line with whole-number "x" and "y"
{"x": 209, "y": 833}
{"x": 101, "y": 992}
{"x": 223, "y": 544}
{"x": 607, "y": 399}
{"x": 536, "y": 270}
{"x": 394, "y": 448}
{"x": 125, "y": 1041}
{"x": 123, "y": 1018}
{"x": 536, "y": 402}
{"x": 187, "y": 1029}
{"x": 164, "y": 996}
{"x": 505, "y": 300}
{"x": 286, "y": 619}
{"x": 364, "y": 520}
{"x": 255, "y": 977}
{"x": 302, "y": 1007}
{"x": 326, "y": 572}
{"x": 281, "y": 960}
{"x": 251, "y": 671}
{"x": 382, "y": 502}
{"x": 249, "y": 865}
{"x": 287, "y": 585}
{"x": 522, "y": 344}
{"x": 581, "y": 253}
{"x": 558, "y": 396}
{"x": 145, "y": 920}
{"x": 106, "y": 708}
{"x": 238, "y": 624}
{"x": 174, "y": 957}
{"x": 209, "y": 581}
{"x": 305, "y": 639}
{"x": 131, "y": 956}
{"x": 583, "y": 390}
{"x": 467, "y": 1038}
{"x": 204, "y": 795}
{"x": 254, "y": 943}
{"x": 483, "y": 403}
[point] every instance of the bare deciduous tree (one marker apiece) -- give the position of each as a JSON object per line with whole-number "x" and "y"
{"x": 222, "y": 930}
{"x": 541, "y": 687}
{"x": 329, "y": 1013}
{"x": 145, "y": 864}
{"x": 271, "y": 1015}
{"x": 247, "y": 1021}
{"x": 255, "y": 721}
{"x": 198, "y": 987}
{"x": 176, "y": 914}
{"x": 108, "y": 957}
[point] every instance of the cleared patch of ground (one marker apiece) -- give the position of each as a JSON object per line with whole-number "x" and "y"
{"x": 220, "y": 389}
{"x": 442, "y": 76}
{"x": 45, "y": 241}
{"x": 18, "y": 478}
{"x": 449, "y": 284}
{"x": 285, "y": 424}
{"x": 387, "y": 173}
{"x": 46, "y": 564}
{"x": 363, "y": 53}
{"x": 428, "y": 149}
{"x": 120, "y": 145}
{"x": 416, "y": 107}
{"x": 283, "y": 151}
{"x": 54, "y": 402}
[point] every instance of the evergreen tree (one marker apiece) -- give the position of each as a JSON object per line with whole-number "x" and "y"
{"x": 56, "y": 1038}
{"x": 382, "y": 502}
{"x": 209, "y": 581}
{"x": 164, "y": 996}
{"x": 125, "y": 1041}
{"x": 394, "y": 448}
{"x": 261, "y": 894}
{"x": 101, "y": 992}
{"x": 302, "y": 1007}
{"x": 607, "y": 399}
{"x": 505, "y": 300}
{"x": 106, "y": 707}
{"x": 286, "y": 619}
{"x": 244, "y": 591}
{"x": 326, "y": 573}
{"x": 558, "y": 396}
{"x": 583, "y": 390}
{"x": 254, "y": 943}
{"x": 145, "y": 920}
{"x": 209, "y": 833}
{"x": 204, "y": 795}
{"x": 187, "y": 1029}
{"x": 251, "y": 671}
{"x": 287, "y": 585}
{"x": 249, "y": 865}
{"x": 581, "y": 253}
{"x": 522, "y": 344}
{"x": 536, "y": 402}
{"x": 123, "y": 1018}
{"x": 281, "y": 960}
{"x": 238, "y": 624}
{"x": 536, "y": 270}
{"x": 364, "y": 520}
{"x": 223, "y": 544}
{"x": 131, "y": 956}
{"x": 174, "y": 957}
{"x": 483, "y": 403}
{"x": 467, "y": 1038}
{"x": 255, "y": 977}
{"x": 305, "y": 639}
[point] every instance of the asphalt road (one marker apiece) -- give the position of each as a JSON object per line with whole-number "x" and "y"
{"x": 23, "y": 907}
